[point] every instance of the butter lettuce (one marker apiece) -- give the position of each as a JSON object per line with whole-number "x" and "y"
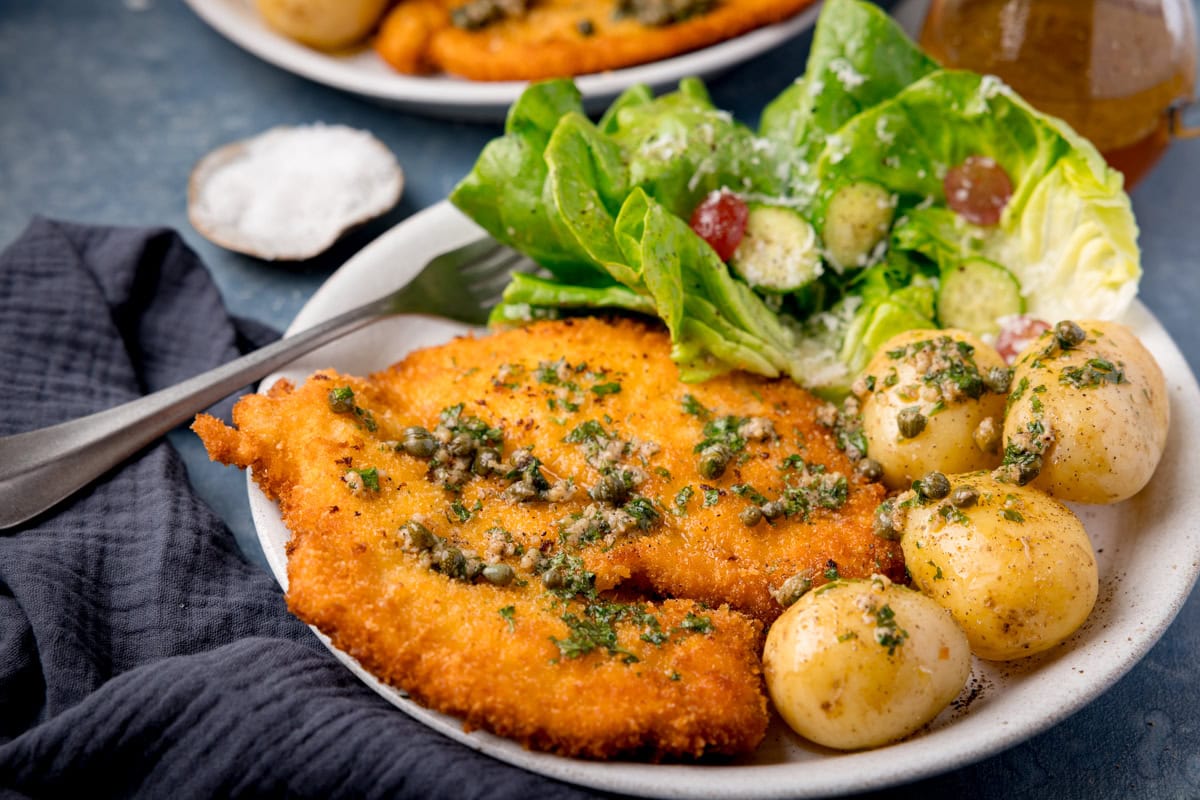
{"x": 1068, "y": 232}
{"x": 859, "y": 58}
{"x": 604, "y": 206}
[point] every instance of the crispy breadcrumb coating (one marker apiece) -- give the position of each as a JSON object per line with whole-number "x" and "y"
{"x": 596, "y": 664}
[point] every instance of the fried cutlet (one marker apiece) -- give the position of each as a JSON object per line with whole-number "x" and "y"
{"x": 556, "y": 38}
{"x": 564, "y": 453}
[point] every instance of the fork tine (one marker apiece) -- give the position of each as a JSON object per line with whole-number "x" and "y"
{"x": 494, "y": 264}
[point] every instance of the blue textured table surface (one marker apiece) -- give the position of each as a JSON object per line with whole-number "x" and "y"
{"x": 105, "y": 106}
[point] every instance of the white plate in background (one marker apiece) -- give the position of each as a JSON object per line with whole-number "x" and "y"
{"x": 363, "y": 72}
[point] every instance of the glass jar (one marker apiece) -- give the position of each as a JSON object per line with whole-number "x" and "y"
{"x": 1116, "y": 70}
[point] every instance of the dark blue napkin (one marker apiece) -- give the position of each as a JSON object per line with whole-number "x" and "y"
{"x": 140, "y": 654}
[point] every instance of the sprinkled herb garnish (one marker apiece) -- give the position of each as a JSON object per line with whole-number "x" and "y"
{"x": 367, "y": 479}
{"x": 341, "y": 401}
{"x": 1094, "y": 372}
{"x": 509, "y": 613}
{"x": 692, "y": 406}
{"x": 681, "y": 500}
{"x": 601, "y": 389}
{"x": 749, "y": 492}
{"x": 887, "y": 633}
{"x": 696, "y": 624}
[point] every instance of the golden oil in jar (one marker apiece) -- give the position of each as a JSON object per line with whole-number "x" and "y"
{"x": 1110, "y": 68}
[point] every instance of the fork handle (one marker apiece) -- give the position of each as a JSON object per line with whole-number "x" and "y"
{"x": 40, "y": 468}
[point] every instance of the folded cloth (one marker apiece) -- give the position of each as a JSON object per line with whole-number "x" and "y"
{"x": 140, "y": 653}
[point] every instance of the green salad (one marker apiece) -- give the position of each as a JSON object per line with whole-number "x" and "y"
{"x": 879, "y": 194}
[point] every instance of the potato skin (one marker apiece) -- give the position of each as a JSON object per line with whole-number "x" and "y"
{"x": 948, "y": 443}
{"x": 835, "y": 684}
{"x": 323, "y": 24}
{"x": 1015, "y": 569}
{"x": 1102, "y": 440}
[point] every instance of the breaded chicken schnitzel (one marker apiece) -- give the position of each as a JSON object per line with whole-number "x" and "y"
{"x": 556, "y": 38}
{"x": 493, "y": 524}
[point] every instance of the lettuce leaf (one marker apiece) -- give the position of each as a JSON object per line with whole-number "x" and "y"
{"x": 859, "y": 58}
{"x": 1067, "y": 233}
{"x": 679, "y": 147}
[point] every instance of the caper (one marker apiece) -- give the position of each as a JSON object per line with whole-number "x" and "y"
{"x": 934, "y": 486}
{"x": 472, "y": 567}
{"x": 452, "y": 562}
{"x": 910, "y": 421}
{"x": 869, "y": 469}
{"x": 417, "y": 536}
{"x": 1069, "y": 334}
{"x": 792, "y": 589}
{"x": 554, "y": 578}
{"x": 585, "y": 27}
{"x": 610, "y": 489}
{"x": 486, "y": 461}
{"x": 773, "y": 509}
{"x": 883, "y": 527}
{"x": 498, "y": 574}
{"x": 462, "y": 444}
{"x": 341, "y": 400}
{"x": 521, "y": 460}
{"x": 964, "y": 496}
{"x": 998, "y": 380}
{"x": 419, "y": 442}
{"x": 1028, "y": 468}
{"x": 751, "y": 516}
{"x": 713, "y": 461}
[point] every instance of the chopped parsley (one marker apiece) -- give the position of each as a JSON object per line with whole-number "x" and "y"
{"x": 601, "y": 389}
{"x": 692, "y": 406}
{"x": 711, "y": 496}
{"x": 509, "y": 613}
{"x": 341, "y": 401}
{"x": 749, "y": 492}
{"x": 1093, "y": 373}
{"x": 479, "y": 431}
{"x": 1012, "y": 515}
{"x": 461, "y": 512}
{"x": 681, "y": 500}
{"x": 887, "y": 633}
{"x": 952, "y": 513}
{"x": 695, "y": 623}
{"x": 723, "y": 431}
{"x": 590, "y": 432}
{"x": 370, "y": 478}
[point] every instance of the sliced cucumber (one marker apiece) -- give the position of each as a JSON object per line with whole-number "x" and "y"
{"x": 778, "y": 252}
{"x": 975, "y": 293}
{"x": 857, "y": 219}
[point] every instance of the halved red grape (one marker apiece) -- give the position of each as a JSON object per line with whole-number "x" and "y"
{"x": 978, "y": 190}
{"x": 1016, "y": 333}
{"x": 720, "y": 220}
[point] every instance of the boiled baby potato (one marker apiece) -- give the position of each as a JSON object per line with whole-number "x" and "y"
{"x": 1012, "y": 564}
{"x": 860, "y": 663}
{"x": 1089, "y": 413}
{"x": 324, "y": 24}
{"x": 933, "y": 400}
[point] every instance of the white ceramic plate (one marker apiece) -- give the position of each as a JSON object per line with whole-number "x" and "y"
{"x": 362, "y": 72}
{"x": 1148, "y": 552}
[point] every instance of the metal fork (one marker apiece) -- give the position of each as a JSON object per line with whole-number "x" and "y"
{"x": 40, "y": 468}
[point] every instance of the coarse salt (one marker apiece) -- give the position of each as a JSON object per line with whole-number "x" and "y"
{"x": 291, "y": 192}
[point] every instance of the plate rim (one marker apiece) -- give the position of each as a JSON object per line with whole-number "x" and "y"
{"x": 931, "y": 753}
{"x": 449, "y": 94}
